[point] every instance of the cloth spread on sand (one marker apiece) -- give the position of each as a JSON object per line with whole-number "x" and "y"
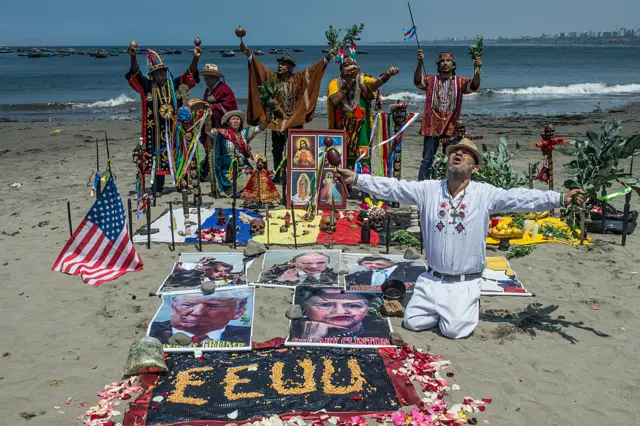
{"x": 298, "y": 102}
{"x": 347, "y": 233}
{"x": 286, "y": 238}
{"x": 527, "y": 238}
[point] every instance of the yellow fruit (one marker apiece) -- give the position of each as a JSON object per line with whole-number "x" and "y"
{"x": 503, "y": 232}
{"x": 515, "y": 230}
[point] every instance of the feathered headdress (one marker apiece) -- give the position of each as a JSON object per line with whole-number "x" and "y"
{"x": 154, "y": 61}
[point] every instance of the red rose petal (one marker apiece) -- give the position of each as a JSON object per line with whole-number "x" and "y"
{"x": 481, "y": 407}
{"x": 167, "y": 393}
{"x": 126, "y": 396}
{"x": 449, "y": 374}
{"x": 155, "y": 406}
{"x": 356, "y": 397}
{"x": 93, "y": 367}
{"x": 487, "y": 400}
{"x": 203, "y": 358}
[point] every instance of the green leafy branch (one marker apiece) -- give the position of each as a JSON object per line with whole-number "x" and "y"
{"x": 475, "y": 50}
{"x": 270, "y": 91}
{"x": 351, "y": 36}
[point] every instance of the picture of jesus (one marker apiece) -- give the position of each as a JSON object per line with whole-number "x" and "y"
{"x": 304, "y": 152}
{"x": 330, "y": 188}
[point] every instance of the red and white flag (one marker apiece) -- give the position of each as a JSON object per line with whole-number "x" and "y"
{"x": 100, "y": 250}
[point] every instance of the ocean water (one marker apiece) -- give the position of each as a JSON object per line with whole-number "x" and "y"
{"x": 516, "y": 80}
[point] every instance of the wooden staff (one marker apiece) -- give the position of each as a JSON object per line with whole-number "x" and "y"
{"x": 293, "y": 219}
{"x": 199, "y": 229}
{"x": 424, "y": 71}
{"x": 99, "y": 183}
{"x": 69, "y": 217}
{"x": 130, "y": 216}
{"x": 267, "y": 223}
{"x": 148, "y": 226}
{"x": 421, "y": 238}
{"x": 106, "y": 142}
{"x": 388, "y": 233}
{"x": 173, "y": 241}
{"x": 332, "y": 220}
{"x": 627, "y": 207}
{"x": 233, "y": 204}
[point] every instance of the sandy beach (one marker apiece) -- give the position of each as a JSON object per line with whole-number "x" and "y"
{"x": 548, "y": 360}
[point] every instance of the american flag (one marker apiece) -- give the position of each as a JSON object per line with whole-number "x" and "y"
{"x": 100, "y": 250}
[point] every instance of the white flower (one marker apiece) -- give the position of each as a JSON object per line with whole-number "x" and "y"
{"x": 233, "y": 415}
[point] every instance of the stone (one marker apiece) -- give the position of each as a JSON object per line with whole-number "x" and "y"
{"x": 180, "y": 339}
{"x": 342, "y": 269}
{"x": 396, "y": 339}
{"x": 392, "y": 308}
{"x": 208, "y": 287}
{"x": 254, "y": 248}
{"x": 413, "y": 230}
{"x": 294, "y": 312}
{"x": 414, "y": 222}
{"x": 412, "y": 254}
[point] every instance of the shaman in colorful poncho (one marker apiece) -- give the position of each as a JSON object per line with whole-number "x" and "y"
{"x": 443, "y": 104}
{"x": 349, "y": 105}
{"x": 161, "y": 97}
{"x": 229, "y": 143}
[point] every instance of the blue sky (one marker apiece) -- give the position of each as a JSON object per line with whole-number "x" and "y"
{"x": 115, "y": 22}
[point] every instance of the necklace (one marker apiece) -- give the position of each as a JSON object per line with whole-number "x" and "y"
{"x": 352, "y": 95}
{"x": 455, "y": 213}
{"x": 166, "y": 108}
{"x": 289, "y": 95}
{"x": 443, "y": 93}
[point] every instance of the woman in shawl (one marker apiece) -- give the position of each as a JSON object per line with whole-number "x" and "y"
{"x": 228, "y": 141}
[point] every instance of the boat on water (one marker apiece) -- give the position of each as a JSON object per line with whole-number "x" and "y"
{"x": 258, "y": 52}
{"x": 100, "y": 55}
{"x": 40, "y": 54}
{"x": 325, "y": 50}
{"x": 298, "y": 50}
{"x": 228, "y": 53}
{"x": 275, "y": 51}
{"x": 363, "y": 52}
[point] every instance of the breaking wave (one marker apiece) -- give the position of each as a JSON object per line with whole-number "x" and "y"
{"x": 109, "y": 103}
{"x": 571, "y": 90}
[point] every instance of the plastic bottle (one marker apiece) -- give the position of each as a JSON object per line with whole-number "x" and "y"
{"x": 534, "y": 232}
{"x": 365, "y": 232}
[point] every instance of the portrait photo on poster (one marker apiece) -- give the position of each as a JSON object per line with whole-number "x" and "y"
{"x": 221, "y": 321}
{"x": 304, "y": 152}
{"x": 334, "y": 317}
{"x": 194, "y": 269}
{"x": 288, "y": 268}
{"x": 368, "y": 271}
{"x": 301, "y": 187}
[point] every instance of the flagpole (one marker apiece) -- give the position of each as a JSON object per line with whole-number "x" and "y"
{"x": 413, "y": 24}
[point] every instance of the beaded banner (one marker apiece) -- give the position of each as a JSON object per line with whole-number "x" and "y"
{"x": 236, "y": 387}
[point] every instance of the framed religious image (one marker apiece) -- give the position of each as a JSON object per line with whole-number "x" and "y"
{"x": 367, "y": 272}
{"x": 221, "y": 321}
{"x": 334, "y": 317}
{"x": 194, "y": 269}
{"x": 304, "y": 152}
{"x": 309, "y": 173}
{"x": 288, "y": 268}
{"x": 301, "y": 188}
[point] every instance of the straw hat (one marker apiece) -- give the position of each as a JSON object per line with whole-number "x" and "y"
{"x": 234, "y": 113}
{"x": 470, "y": 146}
{"x": 212, "y": 69}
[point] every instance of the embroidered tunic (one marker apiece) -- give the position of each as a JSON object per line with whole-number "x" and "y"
{"x": 454, "y": 230}
{"x": 443, "y": 103}
{"x": 159, "y": 106}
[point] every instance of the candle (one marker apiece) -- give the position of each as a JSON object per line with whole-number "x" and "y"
{"x": 527, "y": 225}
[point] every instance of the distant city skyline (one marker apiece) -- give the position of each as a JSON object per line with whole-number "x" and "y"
{"x": 77, "y": 22}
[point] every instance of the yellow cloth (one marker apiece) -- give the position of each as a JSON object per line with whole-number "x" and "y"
{"x": 527, "y": 239}
{"x": 499, "y": 264}
{"x": 333, "y": 89}
{"x": 286, "y": 238}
